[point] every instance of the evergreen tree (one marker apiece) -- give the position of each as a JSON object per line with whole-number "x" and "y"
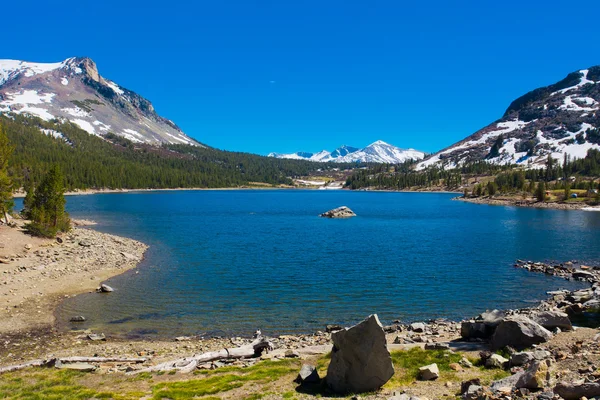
{"x": 492, "y": 188}
{"x": 567, "y": 191}
{"x": 540, "y": 192}
{"x": 47, "y": 209}
{"x": 6, "y": 184}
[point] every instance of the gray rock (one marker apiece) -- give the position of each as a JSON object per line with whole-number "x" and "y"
{"x": 360, "y": 360}
{"x": 521, "y": 358}
{"x": 81, "y": 367}
{"x": 340, "y": 212}
{"x": 580, "y": 274}
{"x": 437, "y": 346}
{"x": 77, "y": 318}
{"x": 105, "y": 289}
{"x": 473, "y": 392}
{"x": 429, "y": 372}
{"x": 519, "y": 332}
{"x": 96, "y": 336}
{"x": 492, "y": 318}
{"x": 535, "y": 377}
{"x": 474, "y": 330}
{"x": 509, "y": 382}
{"x": 496, "y": 361}
{"x": 553, "y": 319}
{"x": 292, "y": 354}
{"x": 333, "y": 328}
{"x": 402, "y": 396}
{"x": 576, "y": 391}
{"x": 465, "y": 363}
{"x": 308, "y": 374}
{"x": 417, "y": 327}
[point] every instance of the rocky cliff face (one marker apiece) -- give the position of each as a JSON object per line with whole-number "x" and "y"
{"x": 74, "y": 90}
{"x": 555, "y": 120}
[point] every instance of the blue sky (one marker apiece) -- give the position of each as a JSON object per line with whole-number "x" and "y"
{"x": 261, "y": 76}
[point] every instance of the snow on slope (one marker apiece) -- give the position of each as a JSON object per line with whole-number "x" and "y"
{"x": 554, "y": 120}
{"x": 377, "y": 152}
{"x": 73, "y": 90}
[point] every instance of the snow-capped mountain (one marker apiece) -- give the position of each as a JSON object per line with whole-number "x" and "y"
{"x": 377, "y": 152}
{"x": 563, "y": 118}
{"x": 73, "y": 90}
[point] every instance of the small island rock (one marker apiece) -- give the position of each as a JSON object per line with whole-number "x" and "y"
{"x": 340, "y": 212}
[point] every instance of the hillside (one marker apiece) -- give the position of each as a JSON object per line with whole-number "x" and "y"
{"x": 115, "y": 162}
{"x": 557, "y": 120}
{"x": 74, "y": 91}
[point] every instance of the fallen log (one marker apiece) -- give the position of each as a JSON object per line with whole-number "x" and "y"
{"x": 102, "y": 359}
{"x": 65, "y": 360}
{"x": 34, "y": 363}
{"x": 188, "y": 364}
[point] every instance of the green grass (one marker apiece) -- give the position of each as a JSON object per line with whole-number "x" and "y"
{"x": 408, "y": 362}
{"x": 52, "y": 385}
{"x": 225, "y": 379}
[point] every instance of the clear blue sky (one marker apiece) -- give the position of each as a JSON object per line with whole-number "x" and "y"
{"x": 284, "y": 76}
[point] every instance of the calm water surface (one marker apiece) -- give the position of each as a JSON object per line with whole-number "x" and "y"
{"x": 228, "y": 262}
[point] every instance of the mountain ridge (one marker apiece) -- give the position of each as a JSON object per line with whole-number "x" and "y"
{"x": 376, "y": 152}
{"x": 73, "y": 90}
{"x": 558, "y": 120}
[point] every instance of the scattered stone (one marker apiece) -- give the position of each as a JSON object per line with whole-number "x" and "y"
{"x": 535, "y": 377}
{"x": 464, "y": 386}
{"x": 340, "y": 212}
{"x": 519, "y": 332}
{"x": 553, "y": 319}
{"x": 333, "y": 328}
{"x": 360, "y": 360}
{"x": 455, "y": 367}
{"x": 429, "y": 372}
{"x": 437, "y": 346}
{"x": 464, "y": 362}
{"x": 292, "y": 354}
{"x": 77, "y": 318}
{"x": 418, "y": 327}
{"x": 496, "y": 361}
{"x": 308, "y": 374}
{"x": 83, "y": 243}
{"x": 96, "y": 336}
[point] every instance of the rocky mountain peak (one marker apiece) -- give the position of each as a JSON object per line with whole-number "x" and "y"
{"x": 73, "y": 90}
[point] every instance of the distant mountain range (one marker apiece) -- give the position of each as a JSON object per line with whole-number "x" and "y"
{"x": 74, "y": 91}
{"x": 377, "y": 152}
{"x": 563, "y": 118}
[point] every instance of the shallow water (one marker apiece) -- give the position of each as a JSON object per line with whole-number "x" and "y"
{"x": 228, "y": 262}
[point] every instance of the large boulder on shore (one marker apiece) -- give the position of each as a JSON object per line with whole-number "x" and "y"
{"x": 360, "y": 360}
{"x": 519, "y": 332}
{"x": 574, "y": 391}
{"x": 340, "y": 212}
{"x": 553, "y": 319}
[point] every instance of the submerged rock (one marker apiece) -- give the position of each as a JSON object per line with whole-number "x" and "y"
{"x": 77, "y": 318}
{"x": 360, "y": 360}
{"x": 340, "y": 212}
{"x": 105, "y": 289}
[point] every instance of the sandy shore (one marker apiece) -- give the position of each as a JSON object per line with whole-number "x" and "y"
{"x": 36, "y": 273}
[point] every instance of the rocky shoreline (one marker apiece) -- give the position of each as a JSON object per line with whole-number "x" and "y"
{"x": 524, "y": 203}
{"x": 40, "y": 273}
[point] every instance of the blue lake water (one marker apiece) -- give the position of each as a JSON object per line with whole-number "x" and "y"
{"x": 228, "y": 262}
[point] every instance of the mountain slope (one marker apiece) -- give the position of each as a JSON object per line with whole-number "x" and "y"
{"x": 555, "y": 120}
{"x": 74, "y": 91}
{"x": 377, "y": 152}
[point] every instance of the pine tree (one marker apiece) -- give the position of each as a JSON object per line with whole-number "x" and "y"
{"x": 47, "y": 209}
{"x": 540, "y": 192}
{"x": 6, "y": 184}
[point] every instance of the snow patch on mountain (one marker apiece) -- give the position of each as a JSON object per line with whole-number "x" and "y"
{"x": 377, "y": 152}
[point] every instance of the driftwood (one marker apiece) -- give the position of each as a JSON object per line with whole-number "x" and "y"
{"x": 65, "y": 360}
{"x": 188, "y": 364}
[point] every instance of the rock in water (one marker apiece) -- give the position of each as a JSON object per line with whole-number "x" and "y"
{"x": 105, "y": 289}
{"x": 519, "y": 332}
{"x": 360, "y": 360}
{"x": 77, "y": 318}
{"x": 340, "y": 212}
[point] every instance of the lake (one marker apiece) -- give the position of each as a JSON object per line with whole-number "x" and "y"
{"x": 231, "y": 261}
